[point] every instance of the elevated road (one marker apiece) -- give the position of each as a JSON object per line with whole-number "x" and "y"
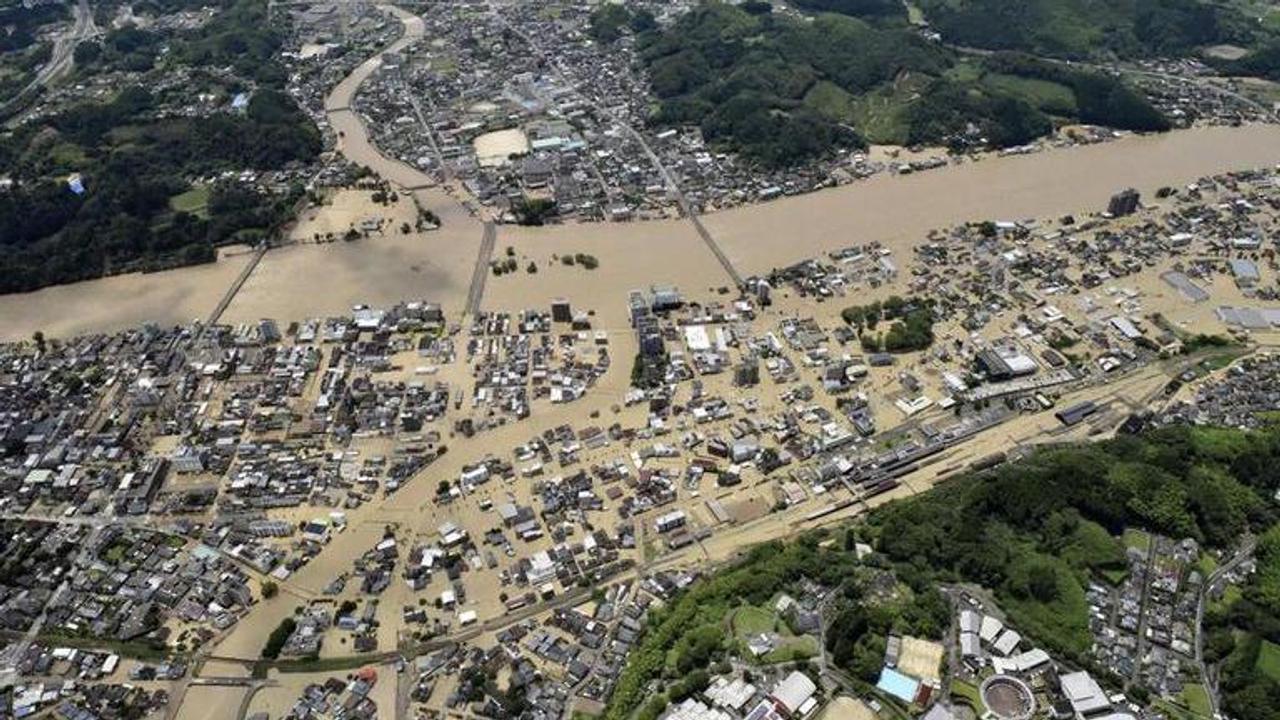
{"x": 475, "y": 294}
{"x": 62, "y": 58}
{"x": 236, "y": 285}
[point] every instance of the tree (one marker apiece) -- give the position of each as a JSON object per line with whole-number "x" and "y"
{"x": 269, "y": 590}
{"x": 278, "y": 637}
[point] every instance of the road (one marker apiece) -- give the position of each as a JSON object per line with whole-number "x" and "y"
{"x": 475, "y": 293}
{"x": 1243, "y": 553}
{"x": 63, "y": 57}
{"x": 445, "y": 171}
{"x": 1148, "y": 569}
{"x": 253, "y": 687}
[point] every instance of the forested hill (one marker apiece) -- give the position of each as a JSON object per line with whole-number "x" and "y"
{"x": 1038, "y": 530}
{"x": 1095, "y": 28}
{"x": 780, "y": 89}
{"x": 107, "y": 186}
{"x": 1034, "y": 533}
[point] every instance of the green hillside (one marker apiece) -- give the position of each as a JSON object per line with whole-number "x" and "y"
{"x": 1090, "y": 28}
{"x": 780, "y": 90}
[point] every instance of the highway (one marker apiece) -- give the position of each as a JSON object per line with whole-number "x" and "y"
{"x": 63, "y": 57}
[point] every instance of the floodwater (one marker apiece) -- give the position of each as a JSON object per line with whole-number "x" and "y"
{"x": 206, "y": 702}
{"x": 121, "y": 301}
{"x": 898, "y": 210}
{"x": 895, "y": 210}
{"x": 309, "y": 279}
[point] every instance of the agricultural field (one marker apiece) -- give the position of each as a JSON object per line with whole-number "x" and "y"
{"x": 194, "y": 201}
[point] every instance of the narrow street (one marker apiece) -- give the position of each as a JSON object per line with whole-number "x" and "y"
{"x": 1245, "y": 552}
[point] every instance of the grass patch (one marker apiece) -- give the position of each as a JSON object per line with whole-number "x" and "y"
{"x": 792, "y": 649}
{"x": 1196, "y": 700}
{"x": 1219, "y": 443}
{"x": 445, "y": 65}
{"x": 1063, "y": 622}
{"x": 1048, "y": 96}
{"x": 1092, "y": 547}
{"x": 1230, "y": 595}
{"x": 1114, "y": 577}
{"x": 125, "y": 648}
{"x": 1206, "y": 564}
{"x": 751, "y": 620}
{"x": 67, "y": 155}
{"x": 964, "y": 72}
{"x": 881, "y": 114}
{"x": 333, "y": 664}
{"x": 1269, "y": 660}
{"x": 1138, "y": 539}
{"x": 194, "y": 201}
{"x": 1173, "y": 710}
{"x": 915, "y": 15}
{"x": 967, "y": 694}
{"x": 830, "y": 100}
{"x": 1221, "y": 360}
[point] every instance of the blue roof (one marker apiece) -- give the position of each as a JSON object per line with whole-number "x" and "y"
{"x": 898, "y": 685}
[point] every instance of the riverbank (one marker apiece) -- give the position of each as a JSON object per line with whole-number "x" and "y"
{"x": 896, "y": 211}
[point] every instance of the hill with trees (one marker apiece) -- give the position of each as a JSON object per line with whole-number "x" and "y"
{"x": 106, "y": 187}
{"x": 1034, "y": 532}
{"x": 781, "y": 90}
{"x": 130, "y": 167}
{"x": 1242, "y": 631}
{"x": 1090, "y": 28}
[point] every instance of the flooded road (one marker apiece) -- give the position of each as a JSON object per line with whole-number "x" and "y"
{"x": 353, "y": 136}
{"x": 894, "y": 210}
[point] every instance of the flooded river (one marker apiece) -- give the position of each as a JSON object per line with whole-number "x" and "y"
{"x": 896, "y": 211}
{"x": 900, "y": 210}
